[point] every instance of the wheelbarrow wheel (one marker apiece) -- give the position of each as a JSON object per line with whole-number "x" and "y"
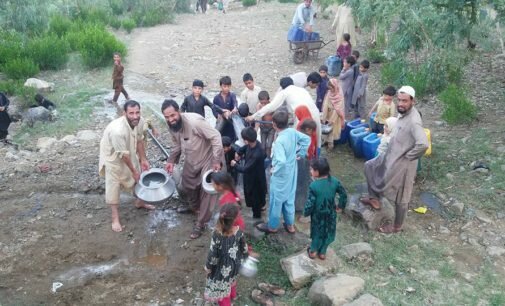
{"x": 298, "y": 56}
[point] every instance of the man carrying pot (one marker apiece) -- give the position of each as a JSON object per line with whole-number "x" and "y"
{"x": 203, "y": 151}
{"x": 122, "y": 155}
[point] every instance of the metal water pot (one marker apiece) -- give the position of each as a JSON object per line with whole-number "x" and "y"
{"x": 249, "y": 267}
{"x": 155, "y": 186}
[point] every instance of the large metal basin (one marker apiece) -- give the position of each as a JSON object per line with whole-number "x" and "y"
{"x": 155, "y": 186}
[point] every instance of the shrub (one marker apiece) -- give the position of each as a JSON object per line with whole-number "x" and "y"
{"x": 59, "y": 25}
{"x": 115, "y": 23}
{"x": 288, "y": 1}
{"x": 93, "y": 15}
{"x": 153, "y": 17}
{"x": 375, "y": 55}
{"x": 11, "y": 46}
{"x": 393, "y": 73}
{"x": 117, "y": 7}
{"x": 247, "y": 3}
{"x": 16, "y": 88}
{"x": 128, "y": 24}
{"x": 98, "y": 45}
{"x": 420, "y": 80}
{"x": 20, "y": 68}
{"x": 74, "y": 40}
{"x": 457, "y": 107}
{"x": 49, "y": 52}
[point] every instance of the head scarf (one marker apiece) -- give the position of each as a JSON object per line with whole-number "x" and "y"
{"x": 336, "y": 96}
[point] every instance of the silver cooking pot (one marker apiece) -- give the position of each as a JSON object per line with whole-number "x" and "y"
{"x": 155, "y": 186}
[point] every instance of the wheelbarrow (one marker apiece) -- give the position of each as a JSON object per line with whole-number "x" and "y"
{"x": 302, "y": 49}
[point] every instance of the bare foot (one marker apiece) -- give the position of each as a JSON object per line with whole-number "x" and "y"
{"x": 117, "y": 227}
{"x": 142, "y": 204}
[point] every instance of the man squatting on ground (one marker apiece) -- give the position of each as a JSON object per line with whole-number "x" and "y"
{"x": 121, "y": 149}
{"x": 203, "y": 150}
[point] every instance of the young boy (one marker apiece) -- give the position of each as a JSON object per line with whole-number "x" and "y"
{"x": 196, "y": 102}
{"x": 250, "y": 93}
{"x": 385, "y": 108}
{"x": 322, "y": 88}
{"x": 227, "y": 101}
{"x": 229, "y": 155}
{"x": 359, "y": 92}
{"x": 267, "y": 131}
{"x": 289, "y": 145}
{"x": 255, "y": 183}
{"x": 347, "y": 84}
{"x": 309, "y": 127}
{"x": 117, "y": 81}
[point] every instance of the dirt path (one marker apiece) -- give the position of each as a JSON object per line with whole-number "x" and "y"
{"x": 210, "y": 46}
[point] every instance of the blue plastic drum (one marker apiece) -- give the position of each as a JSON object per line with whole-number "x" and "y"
{"x": 334, "y": 64}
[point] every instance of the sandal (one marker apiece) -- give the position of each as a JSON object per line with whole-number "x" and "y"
{"x": 322, "y": 256}
{"x": 261, "y": 298}
{"x": 263, "y": 227}
{"x": 389, "y": 229}
{"x": 273, "y": 289}
{"x": 312, "y": 255}
{"x": 286, "y": 227}
{"x": 196, "y": 233}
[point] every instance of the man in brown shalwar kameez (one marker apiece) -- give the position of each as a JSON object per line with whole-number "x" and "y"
{"x": 392, "y": 174}
{"x": 203, "y": 150}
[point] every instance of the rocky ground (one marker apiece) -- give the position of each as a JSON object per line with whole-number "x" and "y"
{"x": 56, "y": 227}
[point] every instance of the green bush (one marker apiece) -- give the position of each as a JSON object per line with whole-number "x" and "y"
{"x": 60, "y": 25}
{"x": 375, "y": 55}
{"x": 393, "y": 73}
{"x": 17, "y": 88}
{"x": 74, "y": 40}
{"x": 11, "y": 46}
{"x": 153, "y": 17}
{"x": 457, "y": 107}
{"x": 117, "y": 7}
{"x": 20, "y": 68}
{"x": 98, "y": 45}
{"x": 93, "y": 15}
{"x": 420, "y": 80}
{"x": 115, "y": 23}
{"x": 128, "y": 24}
{"x": 288, "y": 1}
{"x": 49, "y": 52}
{"x": 247, "y": 3}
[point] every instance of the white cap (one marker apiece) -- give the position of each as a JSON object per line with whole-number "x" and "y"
{"x": 408, "y": 90}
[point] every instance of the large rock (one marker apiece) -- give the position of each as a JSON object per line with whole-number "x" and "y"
{"x": 351, "y": 251}
{"x": 335, "y": 290}
{"x": 365, "y": 300}
{"x": 39, "y": 84}
{"x": 86, "y": 135}
{"x": 372, "y": 218}
{"x": 44, "y": 143}
{"x": 35, "y": 114}
{"x": 301, "y": 269}
{"x": 69, "y": 139}
{"x": 495, "y": 251}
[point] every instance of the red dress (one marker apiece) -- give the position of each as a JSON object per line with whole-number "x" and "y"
{"x": 228, "y": 197}
{"x": 302, "y": 113}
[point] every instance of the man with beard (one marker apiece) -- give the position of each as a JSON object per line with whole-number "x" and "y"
{"x": 392, "y": 174}
{"x": 122, "y": 155}
{"x": 203, "y": 150}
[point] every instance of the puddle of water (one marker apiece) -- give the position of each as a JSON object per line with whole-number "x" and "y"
{"x": 431, "y": 201}
{"x": 162, "y": 219}
{"x": 80, "y": 276}
{"x": 157, "y": 261}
